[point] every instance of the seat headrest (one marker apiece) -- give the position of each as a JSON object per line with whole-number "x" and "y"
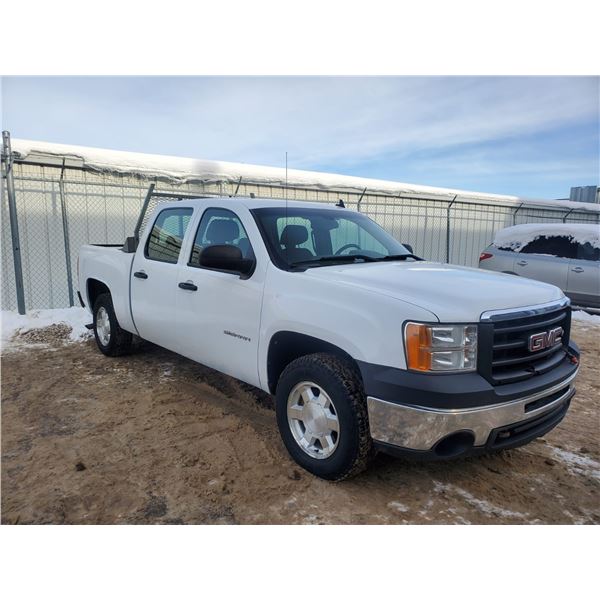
{"x": 293, "y": 235}
{"x": 221, "y": 231}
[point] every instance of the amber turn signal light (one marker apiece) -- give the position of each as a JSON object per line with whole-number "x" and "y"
{"x": 418, "y": 344}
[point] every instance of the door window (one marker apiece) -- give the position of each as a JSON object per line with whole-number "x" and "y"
{"x": 166, "y": 237}
{"x": 220, "y": 226}
{"x": 556, "y": 245}
{"x": 588, "y": 252}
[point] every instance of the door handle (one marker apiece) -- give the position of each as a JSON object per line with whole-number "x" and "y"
{"x": 140, "y": 275}
{"x": 522, "y": 263}
{"x": 578, "y": 270}
{"x": 188, "y": 285}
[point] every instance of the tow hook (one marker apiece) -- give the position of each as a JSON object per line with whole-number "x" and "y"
{"x": 573, "y": 358}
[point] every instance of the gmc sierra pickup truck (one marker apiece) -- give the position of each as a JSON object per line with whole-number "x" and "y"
{"x": 364, "y": 345}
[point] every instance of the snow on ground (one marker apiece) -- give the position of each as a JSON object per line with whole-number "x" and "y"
{"x": 398, "y": 506}
{"x": 518, "y": 236}
{"x": 482, "y": 505}
{"x": 586, "y": 318}
{"x": 576, "y": 463}
{"x": 13, "y": 323}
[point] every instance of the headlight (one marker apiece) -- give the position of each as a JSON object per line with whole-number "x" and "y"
{"x": 440, "y": 347}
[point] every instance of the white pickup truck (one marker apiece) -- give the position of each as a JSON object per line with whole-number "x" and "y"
{"x": 365, "y": 345}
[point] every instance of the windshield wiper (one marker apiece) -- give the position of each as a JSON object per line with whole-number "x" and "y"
{"x": 399, "y": 257}
{"x": 352, "y": 258}
{"x": 325, "y": 259}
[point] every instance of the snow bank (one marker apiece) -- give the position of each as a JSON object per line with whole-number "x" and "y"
{"x": 12, "y": 323}
{"x": 518, "y": 236}
{"x": 587, "y": 318}
{"x": 184, "y": 170}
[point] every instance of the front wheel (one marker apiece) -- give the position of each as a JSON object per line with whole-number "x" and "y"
{"x": 110, "y": 338}
{"x": 322, "y": 416}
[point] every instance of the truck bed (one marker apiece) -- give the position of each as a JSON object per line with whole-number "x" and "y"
{"x": 107, "y": 264}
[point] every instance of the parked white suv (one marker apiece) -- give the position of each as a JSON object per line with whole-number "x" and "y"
{"x": 565, "y": 255}
{"x": 363, "y": 344}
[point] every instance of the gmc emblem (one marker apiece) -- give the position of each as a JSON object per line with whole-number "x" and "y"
{"x": 546, "y": 339}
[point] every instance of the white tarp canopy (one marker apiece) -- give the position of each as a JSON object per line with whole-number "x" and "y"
{"x": 209, "y": 171}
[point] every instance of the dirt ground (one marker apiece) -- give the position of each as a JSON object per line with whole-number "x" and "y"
{"x": 155, "y": 438}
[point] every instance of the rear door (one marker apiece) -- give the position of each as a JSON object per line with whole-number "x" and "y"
{"x": 546, "y": 259}
{"x": 583, "y": 286}
{"x": 154, "y": 277}
{"x": 219, "y": 312}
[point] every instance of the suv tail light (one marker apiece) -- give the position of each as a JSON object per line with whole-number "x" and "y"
{"x": 484, "y": 256}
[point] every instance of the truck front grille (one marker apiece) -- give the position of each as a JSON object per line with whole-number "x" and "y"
{"x": 506, "y": 355}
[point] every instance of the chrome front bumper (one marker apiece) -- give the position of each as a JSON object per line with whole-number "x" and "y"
{"x": 420, "y": 428}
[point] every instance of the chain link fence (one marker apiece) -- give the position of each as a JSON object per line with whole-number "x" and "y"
{"x": 60, "y": 209}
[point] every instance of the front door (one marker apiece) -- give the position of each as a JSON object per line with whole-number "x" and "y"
{"x": 219, "y": 312}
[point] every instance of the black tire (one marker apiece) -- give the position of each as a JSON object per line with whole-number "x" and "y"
{"x": 343, "y": 385}
{"x": 120, "y": 341}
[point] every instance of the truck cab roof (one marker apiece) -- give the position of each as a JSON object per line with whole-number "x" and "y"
{"x": 250, "y": 203}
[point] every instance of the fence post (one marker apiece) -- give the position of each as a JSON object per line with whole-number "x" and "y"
{"x": 448, "y": 228}
{"x": 565, "y": 217}
{"x": 515, "y": 213}
{"x": 14, "y": 225}
{"x": 237, "y": 189}
{"x": 360, "y": 200}
{"x": 65, "y": 225}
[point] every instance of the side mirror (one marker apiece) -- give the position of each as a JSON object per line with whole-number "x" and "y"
{"x": 130, "y": 245}
{"x": 226, "y": 258}
{"x": 409, "y": 248}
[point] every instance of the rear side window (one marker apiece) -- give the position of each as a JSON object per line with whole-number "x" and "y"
{"x": 166, "y": 237}
{"x": 588, "y": 252}
{"x": 556, "y": 245}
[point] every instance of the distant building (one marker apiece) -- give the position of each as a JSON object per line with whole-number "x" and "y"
{"x": 585, "y": 193}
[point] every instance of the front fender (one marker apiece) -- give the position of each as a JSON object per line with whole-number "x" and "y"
{"x": 365, "y": 325}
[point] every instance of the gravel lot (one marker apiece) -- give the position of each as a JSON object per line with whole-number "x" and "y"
{"x": 155, "y": 438}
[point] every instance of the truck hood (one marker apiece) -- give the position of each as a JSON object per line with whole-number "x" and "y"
{"x": 452, "y": 293}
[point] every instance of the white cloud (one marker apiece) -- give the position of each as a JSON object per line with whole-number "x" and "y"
{"x": 319, "y": 121}
{"x": 349, "y": 120}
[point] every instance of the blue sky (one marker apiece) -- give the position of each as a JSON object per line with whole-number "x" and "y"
{"x": 529, "y": 136}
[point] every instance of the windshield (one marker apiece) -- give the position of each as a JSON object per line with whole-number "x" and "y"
{"x": 313, "y": 237}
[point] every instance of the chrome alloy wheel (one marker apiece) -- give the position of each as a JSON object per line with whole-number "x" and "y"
{"x": 313, "y": 420}
{"x": 103, "y": 326}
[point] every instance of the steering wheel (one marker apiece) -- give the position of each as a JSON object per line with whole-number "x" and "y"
{"x": 346, "y": 248}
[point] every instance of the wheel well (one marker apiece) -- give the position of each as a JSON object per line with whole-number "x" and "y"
{"x": 286, "y": 346}
{"x": 94, "y": 289}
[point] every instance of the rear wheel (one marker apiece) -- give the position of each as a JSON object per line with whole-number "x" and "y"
{"x": 110, "y": 338}
{"x": 322, "y": 416}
